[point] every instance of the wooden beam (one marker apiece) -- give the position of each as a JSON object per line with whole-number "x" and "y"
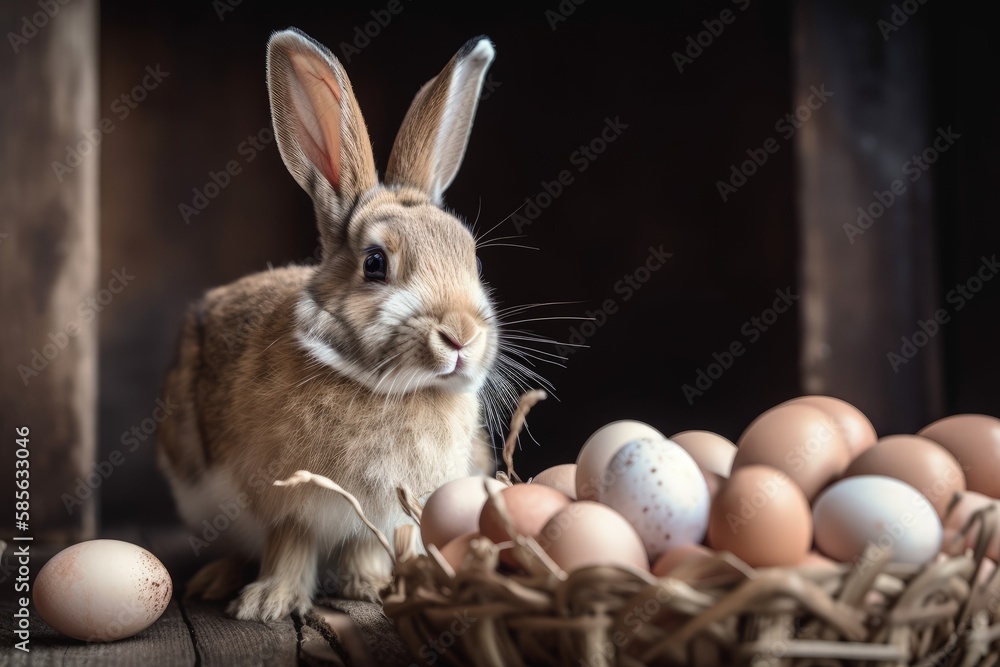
{"x": 866, "y": 284}
{"x": 48, "y": 259}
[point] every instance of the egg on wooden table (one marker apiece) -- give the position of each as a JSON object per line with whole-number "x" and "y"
{"x": 659, "y": 488}
{"x": 102, "y": 590}
{"x": 597, "y": 451}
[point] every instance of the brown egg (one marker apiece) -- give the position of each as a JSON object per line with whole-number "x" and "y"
{"x": 587, "y": 533}
{"x": 801, "y": 440}
{"x": 561, "y": 478}
{"x": 854, "y": 426}
{"x": 975, "y": 441}
{"x": 968, "y": 504}
{"x": 923, "y": 464}
{"x": 685, "y": 553}
{"x": 713, "y": 482}
{"x": 762, "y": 517}
{"x": 814, "y": 560}
{"x": 455, "y": 551}
{"x": 529, "y": 507}
{"x": 709, "y": 450}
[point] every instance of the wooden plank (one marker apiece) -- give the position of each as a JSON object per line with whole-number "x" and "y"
{"x": 48, "y": 259}
{"x": 866, "y": 285}
{"x": 221, "y": 641}
{"x": 166, "y": 643}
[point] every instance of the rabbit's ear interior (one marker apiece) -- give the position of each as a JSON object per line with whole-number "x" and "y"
{"x": 431, "y": 142}
{"x": 317, "y": 122}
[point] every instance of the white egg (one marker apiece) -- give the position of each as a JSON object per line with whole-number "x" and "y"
{"x": 102, "y": 590}
{"x": 600, "y": 447}
{"x": 883, "y": 511}
{"x": 659, "y": 488}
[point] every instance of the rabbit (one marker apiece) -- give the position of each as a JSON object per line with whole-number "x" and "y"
{"x": 365, "y": 368}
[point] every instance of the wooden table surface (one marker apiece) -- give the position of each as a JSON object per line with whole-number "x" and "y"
{"x": 199, "y": 633}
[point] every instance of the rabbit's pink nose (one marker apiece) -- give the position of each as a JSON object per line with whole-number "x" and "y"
{"x": 450, "y": 341}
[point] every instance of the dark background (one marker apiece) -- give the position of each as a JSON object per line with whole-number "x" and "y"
{"x": 656, "y": 184}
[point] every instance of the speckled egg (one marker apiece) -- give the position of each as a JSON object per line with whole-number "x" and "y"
{"x": 102, "y": 590}
{"x": 659, "y": 488}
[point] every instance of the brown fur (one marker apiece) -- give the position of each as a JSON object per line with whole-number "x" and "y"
{"x": 290, "y": 369}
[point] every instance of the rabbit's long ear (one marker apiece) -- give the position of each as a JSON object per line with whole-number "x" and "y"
{"x": 432, "y": 140}
{"x": 318, "y": 125}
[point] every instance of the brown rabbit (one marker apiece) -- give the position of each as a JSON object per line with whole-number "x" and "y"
{"x": 365, "y": 368}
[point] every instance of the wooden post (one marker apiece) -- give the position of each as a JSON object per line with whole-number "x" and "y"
{"x": 866, "y": 284}
{"x": 48, "y": 261}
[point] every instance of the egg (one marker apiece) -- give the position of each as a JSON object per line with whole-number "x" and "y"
{"x": 529, "y": 507}
{"x": 453, "y": 510}
{"x": 967, "y": 504}
{"x": 102, "y": 590}
{"x": 710, "y": 451}
{"x": 598, "y": 450}
{"x": 800, "y": 440}
{"x": 560, "y": 477}
{"x": 762, "y": 517}
{"x": 659, "y": 488}
{"x": 853, "y": 425}
{"x": 687, "y": 553}
{"x": 814, "y": 560}
{"x": 586, "y": 533}
{"x": 923, "y": 464}
{"x": 975, "y": 441}
{"x": 454, "y": 552}
{"x": 889, "y": 513}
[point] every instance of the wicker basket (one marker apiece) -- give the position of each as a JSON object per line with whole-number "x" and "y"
{"x": 716, "y": 611}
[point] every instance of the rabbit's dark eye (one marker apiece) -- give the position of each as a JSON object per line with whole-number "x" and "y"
{"x": 376, "y": 265}
{"x": 479, "y": 266}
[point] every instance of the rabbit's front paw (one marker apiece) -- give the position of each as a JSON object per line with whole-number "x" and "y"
{"x": 357, "y": 588}
{"x": 269, "y": 599}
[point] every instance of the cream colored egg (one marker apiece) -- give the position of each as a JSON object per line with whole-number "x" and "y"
{"x": 600, "y": 447}
{"x": 560, "y": 477}
{"x": 711, "y": 451}
{"x": 102, "y": 590}
{"x": 587, "y": 533}
{"x": 453, "y": 510}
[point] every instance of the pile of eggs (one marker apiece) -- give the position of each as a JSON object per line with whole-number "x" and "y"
{"x": 809, "y": 483}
